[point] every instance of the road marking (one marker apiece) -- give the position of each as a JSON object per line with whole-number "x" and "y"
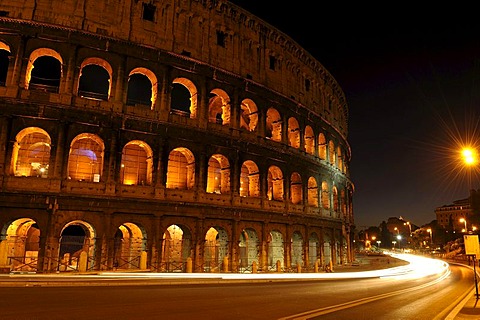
{"x": 330, "y": 309}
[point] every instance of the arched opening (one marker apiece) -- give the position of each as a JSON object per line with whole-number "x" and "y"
{"x": 248, "y": 249}
{"x": 248, "y": 115}
{"x": 176, "y": 249}
{"x": 339, "y": 159}
{"x": 314, "y": 250}
{"x": 296, "y": 191}
{"x": 249, "y": 180}
{"x": 142, "y": 88}
{"x": 327, "y": 250}
{"x": 322, "y": 147}
{"x": 309, "y": 140}
{"x": 219, "y": 107}
{"x": 273, "y": 125}
{"x": 85, "y": 161}
{"x": 215, "y": 249}
{"x": 94, "y": 81}
{"x": 331, "y": 153}
{"x": 4, "y": 63}
{"x": 184, "y": 98}
{"x": 181, "y": 169}
{"x": 218, "y": 175}
{"x": 136, "y": 166}
{"x": 275, "y": 183}
{"x": 335, "y": 201}
{"x": 44, "y": 70}
{"x": 77, "y": 237}
{"x": 31, "y": 153}
{"x": 312, "y": 192}
{"x": 46, "y": 73}
{"x": 293, "y": 133}
{"x": 297, "y": 249}
{"x": 325, "y": 196}
{"x": 139, "y": 90}
{"x": 21, "y": 243}
{"x": 276, "y": 250}
{"x": 130, "y": 241}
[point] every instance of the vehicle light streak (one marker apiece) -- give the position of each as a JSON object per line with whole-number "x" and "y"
{"x": 418, "y": 267}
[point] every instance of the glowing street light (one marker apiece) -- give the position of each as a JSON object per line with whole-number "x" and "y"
{"x": 470, "y": 159}
{"x": 469, "y": 156}
{"x": 465, "y": 222}
{"x": 396, "y": 229}
{"x": 430, "y": 232}
{"x": 399, "y": 238}
{"x": 409, "y": 227}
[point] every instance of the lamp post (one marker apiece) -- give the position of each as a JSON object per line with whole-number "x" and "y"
{"x": 431, "y": 238}
{"x": 409, "y": 227}
{"x": 378, "y": 243}
{"x": 399, "y": 238}
{"x": 394, "y": 242}
{"x": 409, "y": 231}
{"x": 465, "y": 222}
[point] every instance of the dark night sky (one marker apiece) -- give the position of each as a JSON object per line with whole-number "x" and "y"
{"x": 413, "y": 92}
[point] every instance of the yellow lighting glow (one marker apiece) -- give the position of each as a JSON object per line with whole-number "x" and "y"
{"x": 469, "y": 156}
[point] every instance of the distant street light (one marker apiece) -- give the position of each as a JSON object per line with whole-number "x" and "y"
{"x": 465, "y": 222}
{"x": 431, "y": 238}
{"x": 399, "y": 238}
{"x": 409, "y": 227}
{"x": 394, "y": 242}
{"x": 378, "y": 243}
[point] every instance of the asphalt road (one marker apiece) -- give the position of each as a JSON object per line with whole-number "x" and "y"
{"x": 431, "y": 297}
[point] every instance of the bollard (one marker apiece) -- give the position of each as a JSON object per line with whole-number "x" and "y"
{"x": 143, "y": 260}
{"x": 225, "y": 264}
{"x": 279, "y": 266}
{"x": 82, "y": 261}
{"x": 189, "y": 265}
{"x": 315, "y": 266}
{"x": 254, "y": 267}
{"x": 299, "y": 268}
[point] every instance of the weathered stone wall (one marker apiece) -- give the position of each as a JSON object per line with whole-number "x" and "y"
{"x": 190, "y": 28}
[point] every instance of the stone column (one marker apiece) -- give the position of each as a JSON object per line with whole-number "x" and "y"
{"x": 4, "y": 129}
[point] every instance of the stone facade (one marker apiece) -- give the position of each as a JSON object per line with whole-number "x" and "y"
{"x": 168, "y": 136}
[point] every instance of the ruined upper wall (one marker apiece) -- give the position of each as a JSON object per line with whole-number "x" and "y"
{"x": 215, "y": 32}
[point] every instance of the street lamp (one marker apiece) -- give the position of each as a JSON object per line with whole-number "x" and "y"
{"x": 409, "y": 227}
{"x": 394, "y": 242}
{"x": 396, "y": 229}
{"x": 399, "y": 237}
{"x": 469, "y": 156}
{"x": 378, "y": 243}
{"x": 470, "y": 159}
{"x": 465, "y": 222}
{"x": 431, "y": 238}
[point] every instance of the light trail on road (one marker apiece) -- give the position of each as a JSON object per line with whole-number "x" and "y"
{"x": 418, "y": 267}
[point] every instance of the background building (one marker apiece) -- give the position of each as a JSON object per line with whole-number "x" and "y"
{"x": 169, "y": 136}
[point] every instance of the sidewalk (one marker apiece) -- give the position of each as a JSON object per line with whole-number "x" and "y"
{"x": 470, "y": 310}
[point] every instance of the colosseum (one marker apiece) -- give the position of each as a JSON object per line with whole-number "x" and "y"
{"x": 167, "y": 136}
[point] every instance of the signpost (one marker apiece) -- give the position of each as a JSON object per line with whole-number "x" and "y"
{"x": 472, "y": 249}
